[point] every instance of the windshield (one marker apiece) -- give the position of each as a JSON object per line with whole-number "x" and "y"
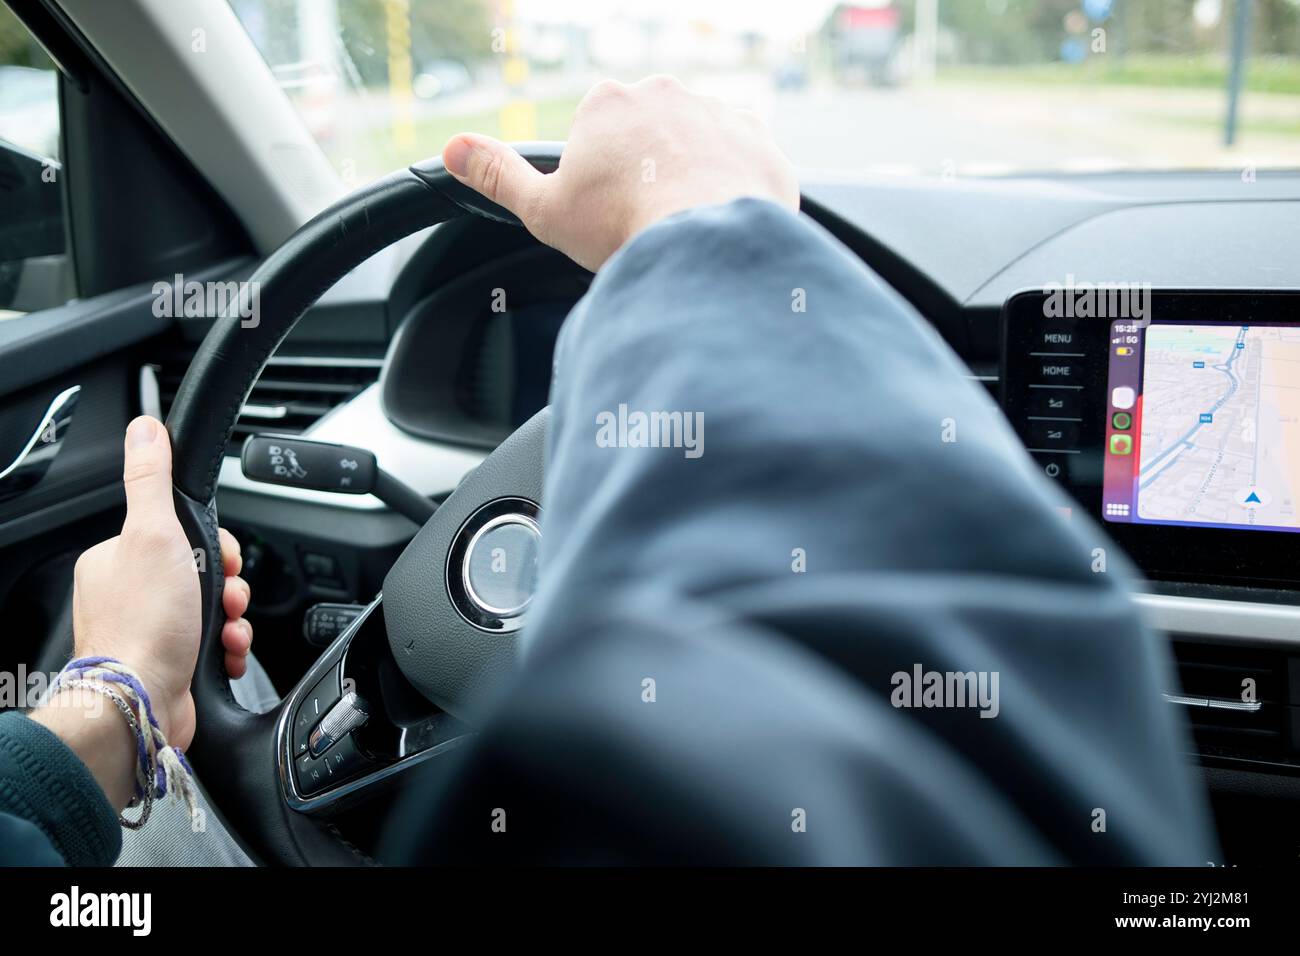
{"x": 924, "y": 87}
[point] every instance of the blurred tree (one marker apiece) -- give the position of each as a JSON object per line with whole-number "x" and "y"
{"x": 17, "y": 48}
{"x": 1167, "y": 27}
{"x": 452, "y": 29}
{"x": 1009, "y": 32}
{"x": 361, "y": 24}
{"x": 440, "y": 29}
{"x": 1277, "y": 27}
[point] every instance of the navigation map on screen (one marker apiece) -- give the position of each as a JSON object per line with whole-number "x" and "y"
{"x": 1210, "y": 432}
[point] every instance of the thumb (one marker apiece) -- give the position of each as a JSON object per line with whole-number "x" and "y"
{"x": 492, "y": 168}
{"x": 147, "y": 474}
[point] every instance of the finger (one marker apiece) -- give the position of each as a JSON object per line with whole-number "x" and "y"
{"x": 232, "y": 561}
{"x": 235, "y": 597}
{"x": 498, "y": 172}
{"x": 147, "y": 475}
{"x": 237, "y": 637}
{"x": 663, "y": 81}
{"x": 236, "y": 665}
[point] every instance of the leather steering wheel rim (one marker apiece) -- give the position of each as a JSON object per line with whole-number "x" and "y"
{"x": 231, "y": 744}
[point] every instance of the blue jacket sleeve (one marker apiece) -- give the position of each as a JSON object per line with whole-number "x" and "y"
{"x": 728, "y": 656}
{"x": 52, "y": 812}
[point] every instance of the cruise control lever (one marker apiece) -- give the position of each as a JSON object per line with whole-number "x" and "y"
{"x": 301, "y": 463}
{"x": 324, "y": 622}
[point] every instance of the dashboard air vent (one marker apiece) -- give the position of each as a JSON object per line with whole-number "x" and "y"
{"x": 292, "y": 393}
{"x": 1236, "y": 700}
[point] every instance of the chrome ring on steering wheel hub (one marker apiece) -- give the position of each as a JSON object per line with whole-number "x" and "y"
{"x": 491, "y": 568}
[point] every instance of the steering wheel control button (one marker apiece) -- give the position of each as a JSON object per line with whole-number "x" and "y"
{"x": 314, "y": 705}
{"x": 311, "y": 773}
{"x": 324, "y": 622}
{"x": 344, "y": 717}
{"x": 343, "y": 760}
{"x": 492, "y": 564}
{"x": 500, "y": 566}
{"x": 300, "y": 463}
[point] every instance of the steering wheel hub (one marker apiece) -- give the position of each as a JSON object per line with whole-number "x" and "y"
{"x": 492, "y": 564}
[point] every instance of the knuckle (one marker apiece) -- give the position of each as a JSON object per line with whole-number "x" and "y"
{"x": 602, "y": 91}
{"x": 664, "y": 81}
{"x": 91, "y": 558}
{"x": 148, "y": 535}
{"x": 533, "y": 212}
{"x": 137, "y": 470}
{"x": 83, "y": 565}
{"x": 491, "y": 176}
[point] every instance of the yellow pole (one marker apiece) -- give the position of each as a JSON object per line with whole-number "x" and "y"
{"x": 518, "y": 115}
{"x": 398, "y": 23}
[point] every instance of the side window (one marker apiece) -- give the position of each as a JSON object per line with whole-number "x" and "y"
{"x": 35, "y": 272}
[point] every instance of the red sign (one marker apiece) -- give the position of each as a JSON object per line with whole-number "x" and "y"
{"x": 868, "y": 18}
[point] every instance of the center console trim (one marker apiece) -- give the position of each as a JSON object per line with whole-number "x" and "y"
{"x": 1213, "y": 620}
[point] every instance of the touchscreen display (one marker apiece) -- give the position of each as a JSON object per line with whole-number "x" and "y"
{"x": 1203, "y": 425}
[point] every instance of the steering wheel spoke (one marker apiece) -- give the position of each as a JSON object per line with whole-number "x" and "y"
{"x": 348, "y": 731}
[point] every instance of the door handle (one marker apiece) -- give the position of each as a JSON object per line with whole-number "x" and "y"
{"x": 35, "y": 458}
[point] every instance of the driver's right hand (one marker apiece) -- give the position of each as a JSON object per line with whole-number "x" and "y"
{"x": 635, "y": 155}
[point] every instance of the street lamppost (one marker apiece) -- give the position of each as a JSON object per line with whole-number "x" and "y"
{"x": 1237, "y": 75}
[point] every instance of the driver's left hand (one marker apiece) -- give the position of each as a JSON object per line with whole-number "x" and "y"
{"x": 136, "y": 596}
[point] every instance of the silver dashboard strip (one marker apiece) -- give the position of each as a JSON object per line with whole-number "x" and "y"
{"x": 269, "y": 412}
{"x": 1217, "y": 621}
{"x": 1214, "y": 703}
{"x": 32, "y": 462}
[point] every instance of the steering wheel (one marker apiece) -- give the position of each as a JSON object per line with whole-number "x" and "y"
{"x": 398, "y": 686}
{"x": 443, "y": 646}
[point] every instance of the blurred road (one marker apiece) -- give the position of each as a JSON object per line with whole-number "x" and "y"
{"x": 945, "y": 129}
{"x": 975, "y": 129}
